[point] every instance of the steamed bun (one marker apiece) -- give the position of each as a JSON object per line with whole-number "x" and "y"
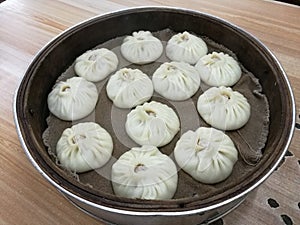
{"x": 95, "y": 65}
{"x": 73, "y": 99}
{"x": 144, "y": 173}
{"x": 83, "y": 147}
{"x": 152, "y": 123}
{"x": 223, "y": 108}
{"x": 176, "y": 80}
{"x": 186, "y": 47}
{"x": 219, "y": 69}
{"x": 129, "y": 87}
{"x": 207, "y": 154}
{"x": 141, "y": 48}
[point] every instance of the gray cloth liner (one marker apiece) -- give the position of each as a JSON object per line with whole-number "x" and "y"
{"x": 250, "y": 139}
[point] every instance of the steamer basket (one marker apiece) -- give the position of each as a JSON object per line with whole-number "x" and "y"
{"x": 31, "y": 110}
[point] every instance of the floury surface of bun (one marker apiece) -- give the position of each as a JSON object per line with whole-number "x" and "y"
{"x": 207, "y": 154}
{"x": 144, "y": 173}
{"x": 83, "y": 147}
{"x": 218, "y": 69}
{"x": 72, "y": 99}
{"x": 141, "y": 47}
{"x": 152, "y": 123}
{"x": 186, "y": 47}
{"x": 224, "y": 108}
{"x": 176, "y": 81}
{"x": 129, "y": 87}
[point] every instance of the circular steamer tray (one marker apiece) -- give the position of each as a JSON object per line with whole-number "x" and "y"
{"x": 31, "y": 111}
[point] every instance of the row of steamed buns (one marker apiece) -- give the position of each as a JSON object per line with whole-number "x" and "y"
{"x": 207, "y": 154}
